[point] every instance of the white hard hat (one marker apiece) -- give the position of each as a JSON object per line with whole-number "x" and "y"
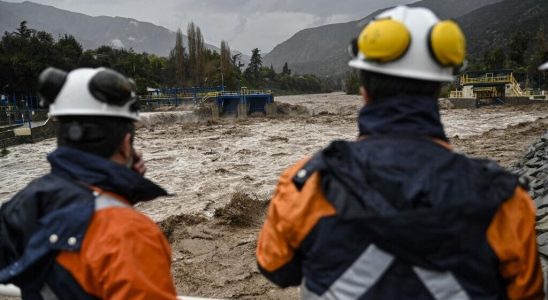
{"x": 88, "y": 92}
{"x": 543, "y": 67}
{"x": 411, "y": 43}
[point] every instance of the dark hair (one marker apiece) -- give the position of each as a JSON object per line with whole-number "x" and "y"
{"x": 101, "y": 136}
{"x": 381, "y": 86}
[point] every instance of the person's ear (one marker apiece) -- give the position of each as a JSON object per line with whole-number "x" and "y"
{"x": 124, "y": 153}
{"x": 126, "y": 148}
{"x": 365, "y": 95}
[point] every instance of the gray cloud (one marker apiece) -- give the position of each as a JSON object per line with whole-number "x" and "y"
{"x": 245, "y": 24}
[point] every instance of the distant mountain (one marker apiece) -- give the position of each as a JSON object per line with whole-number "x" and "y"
{"x": 91, "y": 32}
{"x": 322, "y": 50}
{"x": 493, "y": 25}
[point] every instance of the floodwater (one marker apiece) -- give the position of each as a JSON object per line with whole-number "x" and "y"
{"x": 200, "y": 164}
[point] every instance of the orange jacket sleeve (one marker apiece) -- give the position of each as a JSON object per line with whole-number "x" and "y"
{"x": 512, "y": 237}
{"x": 291, "y": 216}
{"x": 124, "y": 256}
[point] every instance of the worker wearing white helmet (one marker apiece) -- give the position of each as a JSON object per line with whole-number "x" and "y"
{"x": 411, "y": 43}
{"x": 544, "y": 67}
{"x": 397, "y": 214}
{"x": 73, "y": 234}
{"x": 108, "y": 93}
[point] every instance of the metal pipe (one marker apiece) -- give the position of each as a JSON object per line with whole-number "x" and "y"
{"x": 9, "y": 290}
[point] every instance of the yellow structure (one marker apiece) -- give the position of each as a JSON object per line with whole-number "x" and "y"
{"x": 488, "y": 85}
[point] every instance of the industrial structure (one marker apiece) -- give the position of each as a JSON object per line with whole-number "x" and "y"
{"x": 22, "y": 120}
{"x": 488, "y": 85}
{"x": 234, "y": 103}
{"x": 493, "y": 87}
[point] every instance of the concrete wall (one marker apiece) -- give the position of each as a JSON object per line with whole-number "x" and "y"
{"x": 463, "y": 103}
{"x": 39, "y": 115}
{"x": 471, "y": 103}
{"x": 271, "y": 110}
{"x": 8, "y": 138}
{"x": 521, "y": 101}
{"x": 46, "y": 131}
{"x": 242, "y": 111}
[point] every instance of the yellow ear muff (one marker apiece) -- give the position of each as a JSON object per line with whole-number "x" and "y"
{"x": 447, "y": 43}
{"x": 384, "y": 40}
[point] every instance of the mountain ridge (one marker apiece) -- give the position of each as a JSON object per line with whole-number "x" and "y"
{"x": 526, "y": 15}
{"x": 92, "y": 31}
{"x": 322, "y": 50}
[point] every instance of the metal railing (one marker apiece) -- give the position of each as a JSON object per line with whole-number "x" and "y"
{"x": 490, "y": 78}
{"x": 255, "y": 92}
{"x": 17, "y": 110}
{"x": 487, "y": 78}
{"x": 456, "y": 94}
{"x": 485, "y": 89}
{"x": 11, "y": 290}
{"x": 516, "y": 88}
{"x": 197, "y": 98}
{"x": 459, "y": 94}
{"x": 10, "y": 115}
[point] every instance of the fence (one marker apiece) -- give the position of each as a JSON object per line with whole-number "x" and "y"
{"x": 30, "y": 102}
{"x": 18, "y": 110}
{"x": 13, "y": 116}
{"x": 179, "y": 96}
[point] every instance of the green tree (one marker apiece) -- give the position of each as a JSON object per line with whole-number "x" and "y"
{"x": 268, "y": 73}
{"x": 253, "y": 71}
{"x": 494, "y": 59}
{"x": 518, "y": 47}
{"x": 237, "y": 61}
{"x": 177, "y": 59}
{"x": 200, "y": 58}
{"x": 230, "y": 67}
{"x": 23, "y": 31}
{"x": 352, "y": 83}
{"x": 226, "y": 65}
{"x": 192, "y": 56}
{"x": 196, "y": 53}
{"x": 539, "y": 56}
{"x": 26, "y": 52}
{"x": 69, "y": 52}
{"x": 286, "y": 70}
{"x": 541, "y": 50}
{"x": 23, "y": 55}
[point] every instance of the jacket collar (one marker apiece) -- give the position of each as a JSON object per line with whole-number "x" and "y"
{"x": 402, "y": 115}
{"x": 92, "y": 170}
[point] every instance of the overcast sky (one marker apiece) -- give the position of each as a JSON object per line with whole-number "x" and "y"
{"x": 245, "y": 24}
